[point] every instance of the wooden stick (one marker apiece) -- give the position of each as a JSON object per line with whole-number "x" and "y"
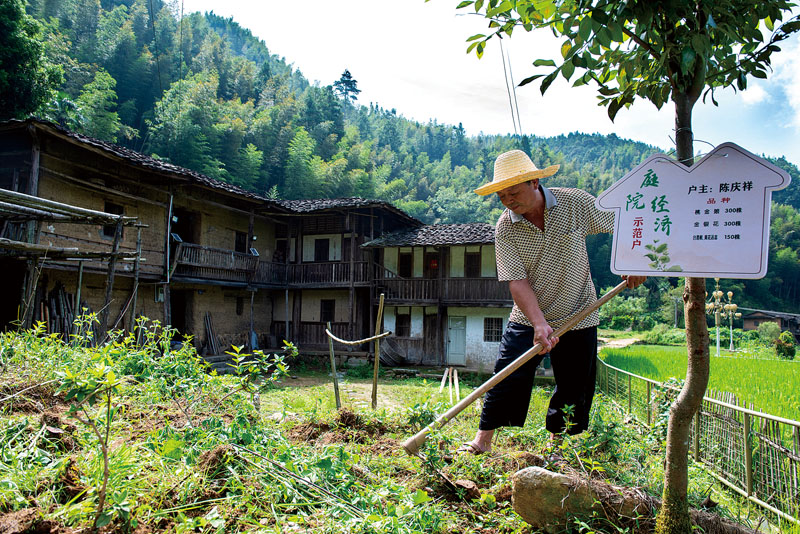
{"x": 444, "y": 379}
{"x": 377, "y": 362}
{"x": 450, "y": 384}
{"x": 333, "y": 370}
{"x": 413, "y": 444}
{"x": 458, "y": 390}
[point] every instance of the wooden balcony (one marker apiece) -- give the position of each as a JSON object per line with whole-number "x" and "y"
{"x": 198, "y": 262}
{"x": 450, "y": 291}
{"x": 327, "y": 274}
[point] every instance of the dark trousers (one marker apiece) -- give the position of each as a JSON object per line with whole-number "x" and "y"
{"x": 574, "y": 361}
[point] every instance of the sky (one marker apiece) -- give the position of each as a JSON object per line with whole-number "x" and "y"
{"x": 410, "y": 55}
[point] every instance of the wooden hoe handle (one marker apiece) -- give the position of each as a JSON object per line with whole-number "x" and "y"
{"x": 412, "y": 445}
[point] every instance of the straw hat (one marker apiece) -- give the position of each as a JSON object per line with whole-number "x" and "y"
{"x": 512, "y": 168}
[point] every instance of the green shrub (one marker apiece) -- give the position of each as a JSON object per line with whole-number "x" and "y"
{"x": 769, "y": 332}
{"x": 644, "y": 322}
{"x": 662, "y": 334}
{"x": 621, "y": 322}
{"x": 784, "y": 346}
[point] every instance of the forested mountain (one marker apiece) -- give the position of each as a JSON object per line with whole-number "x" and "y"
{"x": 202, "y": 92}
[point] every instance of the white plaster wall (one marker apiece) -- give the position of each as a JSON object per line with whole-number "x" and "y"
{"x": 481, "y": 355}
{"x": 334, "y": 246}
{"x": 418, "y": 261}
{"x": 488, "y": 261}
{"x": 457, "y": 262}
{"x": 417, "y": 319}
{"x": 389, "y": 321}
{"x": 390, "y": 259}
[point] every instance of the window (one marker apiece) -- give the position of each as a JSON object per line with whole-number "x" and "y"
{"x": 402, "y": 325}
{"x": 472, "y": 265}
{"x": 405, "y": 262}
{"x": 327, "y": 310}
{"x": 110, "y": 229}
{"x": 321, "y": 248}
{"x": 240, "y": 242}
{"x": 492, "y": 329}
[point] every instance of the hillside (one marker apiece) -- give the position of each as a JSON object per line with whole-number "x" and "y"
{"x": 204, "y": 93}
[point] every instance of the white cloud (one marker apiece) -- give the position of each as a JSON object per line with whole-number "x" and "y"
{"x": 787, "y": 77}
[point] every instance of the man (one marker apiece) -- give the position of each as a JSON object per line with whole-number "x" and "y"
{"x": 540, "y": 243}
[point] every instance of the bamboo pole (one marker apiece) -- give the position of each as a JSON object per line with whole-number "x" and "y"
{"x": 450, "y": 385}
{"x": 444, "y": 379}
{"x": 413, "y": 444}
{"x": 333, "y": 370}
{"x": 458, "y": 390}
{"x": 377, "y": 362}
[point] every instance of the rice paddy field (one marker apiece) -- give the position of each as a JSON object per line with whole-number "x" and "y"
{"x": 770, "y": 385}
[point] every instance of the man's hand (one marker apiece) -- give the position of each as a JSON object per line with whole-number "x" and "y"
{"x": 541, "y": 334}
{"x": 634, "y": 281}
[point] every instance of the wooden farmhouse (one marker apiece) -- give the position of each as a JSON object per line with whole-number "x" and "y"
{"x": 444, "y": 303}
{"x": 86, "y": 224}
{"x": 751, "y": 319}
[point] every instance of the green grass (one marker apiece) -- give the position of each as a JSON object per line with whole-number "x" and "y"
{"x": 177, "y": 465}
{"x": 771, "y": 385}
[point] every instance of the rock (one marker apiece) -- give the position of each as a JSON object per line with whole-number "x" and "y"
{"x": 548, "y": 501}
{"x": 469, "y": 488}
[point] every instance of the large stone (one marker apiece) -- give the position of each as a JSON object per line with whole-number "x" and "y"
{"x": 549, "y": 500}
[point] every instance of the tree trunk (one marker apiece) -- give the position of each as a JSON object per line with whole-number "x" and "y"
{"x": 674, "y": 515}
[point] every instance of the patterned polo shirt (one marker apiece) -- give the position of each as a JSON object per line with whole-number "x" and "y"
{"x": 554, "y": 261}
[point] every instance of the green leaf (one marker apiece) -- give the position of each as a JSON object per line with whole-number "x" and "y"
{"x": 585, "y": 28}
{"x": 420, "y": 496}
{"x": 674, "y": 268}
{"x": 565, "y": 48}
{"x": 529, "y": 79}
{"x": 476, "y": 37}
{"x": 567, "y": 69}
{"x": 548, "y": 80}
{"x": 687, "y": 59}
{"x": 759, "y": 74}
{"x": 463, "y": 4}
{"x": 544, "y": 63}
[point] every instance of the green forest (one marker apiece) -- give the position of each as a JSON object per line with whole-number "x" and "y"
{"x": 202, "y": 92}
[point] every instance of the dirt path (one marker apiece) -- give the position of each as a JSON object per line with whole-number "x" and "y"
{"x": 617, "y": 343}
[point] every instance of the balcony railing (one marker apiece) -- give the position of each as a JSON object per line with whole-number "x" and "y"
{"x": 208, "y": 263}
{"x": 478, "y": 290}
{"x": 328, "y": 273}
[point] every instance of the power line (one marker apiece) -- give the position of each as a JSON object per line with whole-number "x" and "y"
{"x": 508, "y": 89}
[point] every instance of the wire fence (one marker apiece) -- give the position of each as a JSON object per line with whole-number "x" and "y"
{"x": 755, "y": 454}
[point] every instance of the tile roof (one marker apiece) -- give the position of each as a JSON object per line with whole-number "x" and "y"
{"x": 438, "y": 234}
{"x": 323, "y": 204}
{"x": 134, "y": 157}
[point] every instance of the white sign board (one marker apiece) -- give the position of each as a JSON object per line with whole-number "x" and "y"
{"x": 708, "y": 220}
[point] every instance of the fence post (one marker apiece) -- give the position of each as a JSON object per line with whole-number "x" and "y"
{"x": 649, "y": 385}
{"x": 697, "y": 434}
{"x": 630, "y": 395}
{"x": 616, "y": 383}
{"x": 333, "y": 370}
{"x": 748, "y": 455}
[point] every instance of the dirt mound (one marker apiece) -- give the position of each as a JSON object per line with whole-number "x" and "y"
{"x": 27, "y": 521}
{"x": 58, "y": 431}
{"x": 212, "y": 460}
{"x": 68, "y": 484}
{"x": 31, "y": 398}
